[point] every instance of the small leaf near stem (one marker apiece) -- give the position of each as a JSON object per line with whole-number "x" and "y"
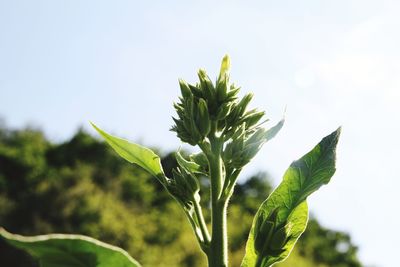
{"x": 135, "y": 153}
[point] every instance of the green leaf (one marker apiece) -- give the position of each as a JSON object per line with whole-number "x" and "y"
{"x": 271, "y": 132}
{"x": 59, "y": 250}
{"x": 189, "y": 166}
{"x": 135, "y": 153}
{"x": 303, "y": 177}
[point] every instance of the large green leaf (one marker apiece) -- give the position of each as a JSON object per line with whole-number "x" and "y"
{"x": 59, "y": 250}
{"x": 135, "y": 153}
{"x": 303, "y": 177}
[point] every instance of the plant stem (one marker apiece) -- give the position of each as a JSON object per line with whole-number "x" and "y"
{"x": 218, "y": 254}
{"x": 202, "y": 223}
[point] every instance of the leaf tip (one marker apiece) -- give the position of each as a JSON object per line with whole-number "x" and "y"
{"x": 93, "y": 125}
{"x": 335, "y": 135}
{"x": 100, "y": 131}
{"x": 339, "y": 130}
{"x": 332, "y": 139}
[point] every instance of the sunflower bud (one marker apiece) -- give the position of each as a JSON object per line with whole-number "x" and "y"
{"x": 225, "y": 67}
{"x": 203, "y": 123}
{"x": 252, "y": 118}
{"x": 207, "y": 86}
{"x": 201, "y": 160}
{"x": 271, "y": 237}
{"x": 279, "y": 239}
{"x": 222, "y": 88}
{"x": 196, "y": 91}
{"x": 264, "y": 235}
{"x": 244, "y": 103}
{"x": 232, "y": 94}
{"x": 187, "y": 185}
{"x": 265, "y": 230}
{"x": 185, "y": 90}
{"x": 223, "y": 110}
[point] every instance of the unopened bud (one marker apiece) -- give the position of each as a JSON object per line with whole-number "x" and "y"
{"x": 196, "y": 91}
{"x": 239, "y": 133}
{"x": 253, "y": 118}
{"x": 228, "y": 152}
{"x": 186, "y": 184}
{"x": 264, "y": 235}
{"x": 207, "y": 86}
{"x": 201, "y": 160}
{"x": 273, "y": 216}
{"x": 188, "y": 165}
{"x": 185, "y": 90}
{"x": 223, "y": 110}
{"x": 225, "y": 67}
{"x": 232, "y": 93}
{"x": 190, "y": 123}
{"x": 204, "y": 124}
{"x": 192, "y": 182}
{"x": 222, "y": 88}
{"x": 244, "y": 103}
{"x": 279, "y": 239}
{"x": 238, "y": 145}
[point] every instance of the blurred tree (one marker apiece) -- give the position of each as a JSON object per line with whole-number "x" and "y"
{"x": 81, "y": 186}
{"x": 332, "y": 248}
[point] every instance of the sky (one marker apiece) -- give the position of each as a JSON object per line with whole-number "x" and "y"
{"x": 328, "y": 63}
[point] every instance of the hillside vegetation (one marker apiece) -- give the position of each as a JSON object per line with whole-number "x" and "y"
{"x": 81, "y": 186}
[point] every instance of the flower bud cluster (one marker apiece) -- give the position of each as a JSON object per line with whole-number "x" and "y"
{"x": 184, "y": 186}
{"x": 243, "y": 146}
{"x": 201, "y": 160}
{"x": 271, "y": 237}
{"x": 206, "y": 108}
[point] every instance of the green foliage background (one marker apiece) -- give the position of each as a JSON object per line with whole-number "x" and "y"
{"x": 81, "y": 186}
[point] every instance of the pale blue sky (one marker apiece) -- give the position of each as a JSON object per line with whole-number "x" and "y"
{"x": 63, "y": 63}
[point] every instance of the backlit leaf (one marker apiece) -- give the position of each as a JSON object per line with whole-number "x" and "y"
{"x": 303, "y": 177}
{"x": 189, "y": 166}
{"x": 135, "y": 153}
{"x": 60, "y": 250}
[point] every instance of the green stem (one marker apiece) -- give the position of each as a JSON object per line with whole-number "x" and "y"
{"x": 195, "y": 230}
{"x": 202, "y": 223}
{"x": 218, "y": 254}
